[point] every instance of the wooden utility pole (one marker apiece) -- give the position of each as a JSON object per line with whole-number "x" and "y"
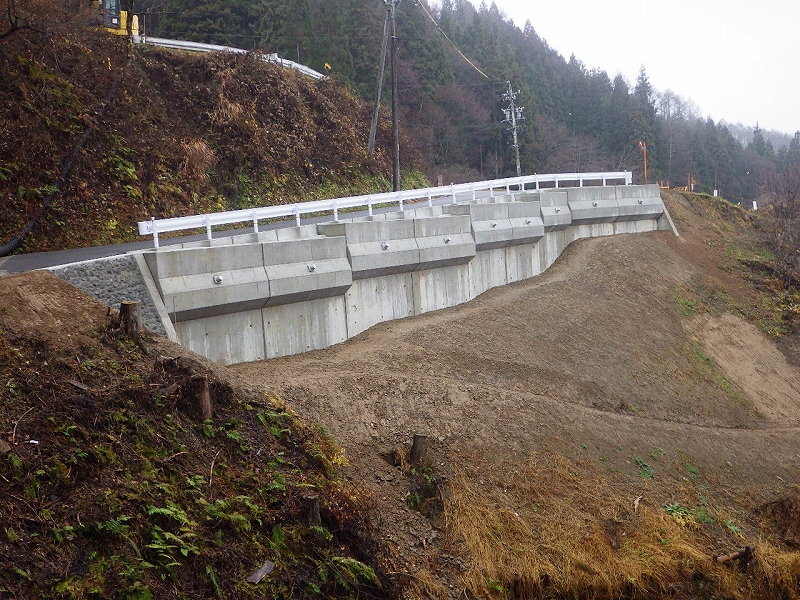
{"x": 643, "y": 148}
{"x": 373, "y": 129}
{"x": 395, "y": 124}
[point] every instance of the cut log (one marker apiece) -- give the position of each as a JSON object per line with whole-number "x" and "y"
{"x": 202, "y": 399}
{"x": 418, "y": 448}
{"x": 744, "y": 556}
{"x": 130, "y": 319}
{"x": 311, "y": 503}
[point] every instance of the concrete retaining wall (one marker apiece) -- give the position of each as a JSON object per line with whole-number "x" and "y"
{"x": 297, "y": 289}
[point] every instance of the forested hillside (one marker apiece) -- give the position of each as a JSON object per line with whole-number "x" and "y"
{"x": 179, "y": 133}
{"x": 578, "y": 119}
{"x": 97, "y": 134}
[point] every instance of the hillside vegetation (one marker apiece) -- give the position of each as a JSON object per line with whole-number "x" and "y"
{"x": 604, "y": 430}
{"x": 149, "y": 132}
{"x": 578, "y": 119}
{"x": 114, "y": 485}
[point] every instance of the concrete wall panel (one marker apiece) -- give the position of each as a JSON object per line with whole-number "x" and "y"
{"x": 377, "y": 248}
{"x": 523, "y": 262}
{"x": 304, "y": 326}
{"x": 556, "y": 218}
{"x": 305, "y": 269}
{"x": 487, "y": 270}
{"x": 227, "y": 339}
{"x": 639, "y": 202}
{"x": 552, "y": 246}
{"x": 378, "y": 299}
{"x": 439, "y": 288}
{"x": 636, "y": 226}
{"x": 444, "y": 241}
{"x": 198, "y": 296}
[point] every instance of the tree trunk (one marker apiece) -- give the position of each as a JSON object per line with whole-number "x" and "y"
{"x": 130, "y": 318}
{"x": 418, "y": 447}
{"x": 313, "y": 518}
{"x": 202, "y": 401}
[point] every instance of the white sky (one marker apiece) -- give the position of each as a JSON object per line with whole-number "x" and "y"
{"x": 738, "y": 60}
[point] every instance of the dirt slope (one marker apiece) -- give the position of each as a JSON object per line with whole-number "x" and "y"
{"x": 626, "y": 351}
{"x": 602, "y": 430}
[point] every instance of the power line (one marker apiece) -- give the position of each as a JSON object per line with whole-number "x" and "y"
{"x": 472, "y": 64}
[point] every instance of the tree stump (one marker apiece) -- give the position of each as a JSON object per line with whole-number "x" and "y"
{"x": 311, "y": 503}
{"x": 202, "y": 399}
{"x": 130, "y": 319}
{"x": 418, "y": 448}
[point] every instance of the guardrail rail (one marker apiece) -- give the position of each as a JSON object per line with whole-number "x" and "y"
{"x": 199, "y": 47}
{"x": 155, "y": 227}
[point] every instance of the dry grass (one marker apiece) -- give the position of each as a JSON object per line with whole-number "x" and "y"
{"x": 553, "y": 531}
{"x": 198, "y": 159}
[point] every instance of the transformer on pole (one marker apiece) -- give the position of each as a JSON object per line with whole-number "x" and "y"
{"x": 513, "y": 120}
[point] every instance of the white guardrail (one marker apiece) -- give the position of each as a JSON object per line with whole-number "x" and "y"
{"x": 198, "y": 47}
{"x": 155, "y": 227}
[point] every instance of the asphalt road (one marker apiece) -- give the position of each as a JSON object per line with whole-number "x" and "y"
{"x": 42, "y": 260}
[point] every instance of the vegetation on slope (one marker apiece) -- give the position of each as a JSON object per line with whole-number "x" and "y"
{"x": 113, "y": 486}
{"x": 578, "y": 119}
{"x": 182, "y": 133}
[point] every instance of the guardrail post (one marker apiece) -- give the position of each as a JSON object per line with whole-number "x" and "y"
{"x": 208, "y": 227}
{"x": 255, "y": 224}
{"x": 369, "y": 205}
{"x": 401, "y": 204}
{"x": 556, "y": 182}
{"x": 474, "y": 196}
{"x": 508, "y": 188}
{"x": 430, "y": 199}
{"x": 537, "y": 184}
{"x": 297, "y": 215}
{"x": 335, "y": 212}
{"x": 604, "y": 182}
{"x": 580, "y": 181}
{"x": 453, "y": 193}
{"x": 154, "y": 227}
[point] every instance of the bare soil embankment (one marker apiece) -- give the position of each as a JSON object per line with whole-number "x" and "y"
{"x": 629, "y": 364}
{"x": 603, "y": 430}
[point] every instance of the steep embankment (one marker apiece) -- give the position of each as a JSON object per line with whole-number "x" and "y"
{"x": 115, "y": 483}
{"x": 169, "y": 133}
{"x": 606, "y": 428}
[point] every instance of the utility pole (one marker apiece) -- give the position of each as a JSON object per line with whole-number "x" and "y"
{"x": 389, "y": 32}
{"x": 373, "y": 130}
{"x": 513, "y": 115}
{"x": 643, "y": 148}
{"x": 395, "y": 125}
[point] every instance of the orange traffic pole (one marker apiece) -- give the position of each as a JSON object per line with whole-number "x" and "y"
{"x": 643, "y": 148}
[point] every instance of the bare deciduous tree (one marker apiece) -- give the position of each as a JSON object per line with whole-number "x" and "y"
{"x": 784, "y": 185}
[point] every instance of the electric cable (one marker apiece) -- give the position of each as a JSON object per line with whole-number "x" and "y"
{"x": 472, "y": 64}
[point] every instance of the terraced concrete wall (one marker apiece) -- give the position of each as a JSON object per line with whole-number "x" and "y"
{"x": 276, "y": 294}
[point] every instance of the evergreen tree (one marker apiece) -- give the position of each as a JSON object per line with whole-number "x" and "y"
{"x": 620, "y": 131}
{"x": 644, "y": 121}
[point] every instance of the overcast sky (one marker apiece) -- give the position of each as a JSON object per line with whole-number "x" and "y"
{"x": 737, "y": 60}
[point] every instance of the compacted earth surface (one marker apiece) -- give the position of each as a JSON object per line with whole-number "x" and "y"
{"x": 630, "y": 366}
{"x": 606, "y": 429}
